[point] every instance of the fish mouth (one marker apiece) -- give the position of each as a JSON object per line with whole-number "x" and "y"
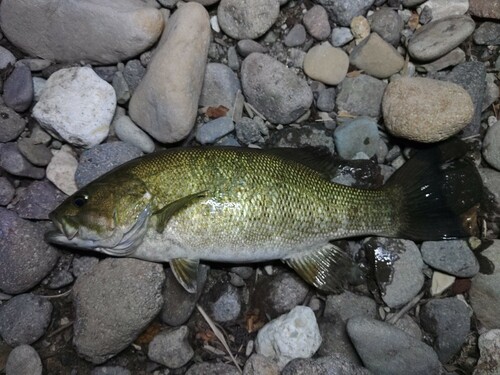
{"x": 119, "y": 243}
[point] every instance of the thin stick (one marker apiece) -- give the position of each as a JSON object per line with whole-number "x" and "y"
{"x": 406, "y": 308}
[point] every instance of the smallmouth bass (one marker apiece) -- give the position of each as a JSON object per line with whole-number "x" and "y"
{"x": 247, "y": 205}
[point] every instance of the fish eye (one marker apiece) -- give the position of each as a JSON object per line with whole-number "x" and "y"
{"x": 80, "y": 200}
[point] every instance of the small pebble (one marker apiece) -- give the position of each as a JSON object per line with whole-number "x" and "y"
{"x": 213, "y": 130}
{"x": 121, "y": 88}
{"x": 326, "y": 100}
{"x": 326, "y": 64}
{"x": 35, "y": 65}
{"x": 130, "y": 133}
{"x": 358, "y": 135}
{"x": 296, "y": 36}
{"x": 247, "y": 46}
{"x": 388, "y": 24}
{"x": 452, "y": 256}
{"x": 18, "y": 89}
{"x": 342, "y": 12}
{"x": 360, "y": 28}
{"x": 452, "y": 58}
{"x": 61, "y": 170}
{"x": 37, "y": 154}
{"x": 361, "y": 96}
{"x": 7, "y": 191}
{"x": 133, "y": 72}
{"x": 316, "y": 22}
{"x": 341, "y": 36}
{"x": 16, "y": 164}
{"x": 171, "y": 348}
{"x": 441, "y": 282}
{"x": 11, "y": 124}
{"x": 6, "y": 58}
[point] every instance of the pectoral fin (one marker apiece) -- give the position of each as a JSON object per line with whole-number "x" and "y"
{"x": 186, "y": 272}
{"x": 169, "y": 210}
{"x": 327, "y": 268}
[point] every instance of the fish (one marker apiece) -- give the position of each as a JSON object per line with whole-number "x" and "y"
{"x": 247, "y": 205}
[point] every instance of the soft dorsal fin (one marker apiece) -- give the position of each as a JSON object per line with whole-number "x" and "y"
{"x": 186, "y": 272}
{"x": 165, "y": 213}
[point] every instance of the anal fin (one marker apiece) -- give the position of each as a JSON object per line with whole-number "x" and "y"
{"x": 186, "y": 272}
{"x": 327, "y": 268}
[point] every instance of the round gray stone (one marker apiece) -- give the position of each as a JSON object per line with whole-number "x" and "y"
{"x": 24, "y": 319}
{"x": 358, "y": 135}
{"x": 102, "y": 158}
{"x": 387, "y": 349}
{"x": 130, "y": 133}
{"x": 7, "y": 191}
{"x": 171, "y": 348}
{"x": 274, "y": 90}
{"x": 6, "y": 58}
{"x": 25, "y": 258}
{"x": 448, "y": 320}
{"x": 18, "y": 89}
{"x": 487, "y": 34}
{"x": 361, "y": 96}
{"x": 326, "y": 100}
{"x": 36, "y": 153}
{"x": 247, "y": 19}
{"x": 247, "y": 46}
{"x": 316, "y": 22}
{"x": 38, "y": 200}
{"x": 296, "y": 36}
{"x": 439, "y": 37}
{"x": 213, "y": 130}
{"x": 220, "y": 86}
{"x": 342, "y": 12}
{"x": 114, "y": 303}
{"x": 16, "y": 164}
{"x": 452, "y": 256}
{"x": 387, "y": 23}
{"x": 23, "y": 360}
{"x": 341, "y": 36}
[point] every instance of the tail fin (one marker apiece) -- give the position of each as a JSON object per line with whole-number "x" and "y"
{"x": 439, "y": 194}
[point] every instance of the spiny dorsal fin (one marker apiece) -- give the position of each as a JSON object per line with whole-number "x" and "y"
{"x": 326, "y": 268}
{"x": 186, "y": 272}
{"x": 169, "y": 210}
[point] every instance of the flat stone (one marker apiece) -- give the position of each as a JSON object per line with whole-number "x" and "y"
{"x": 451, "y": 256}
{"x": 11, "y": 124}
{"x": 130, "y": 133}
{"x": 101, "y": 32}
{"x": 342, "y": 12}
{"x": 485, "y": 290}
{"x": 171, "y": 348}
{"x": 426, "y": 110}
{"x": 439, "y": 37}
{"x": 61, "y": 170}
{"x": 358, "y": 135}
{"x": 455, "y": 57}
{"x": 76, "y": 91}
{"x": 247, "y": 20}
{"x": 361, "y": 96}
{"x": 326, "y": 64}
{"x": 102, "y": 158}
{"x": 38, "y": 200}
{"x": 316, "y": 22}
{"x": 16, "y": 164}
{"x": 485, "y": 8}
{"x": 247, "y": 46}
{"x": 448, "y": 320}
{"x": 166, "y": 101}
{"x": 491, "y": 146}
{"x": 37, "y": 154}
{"x": 387, "y": 349}
{"x": 263, "y": 77}
{"x": 377, "y": 57}
{"x": 113, "y": 304}
{"x": 18, "y": 89}
{"x": 22, "y": 360}
{"x": 215, "y": 129}
{"x": 388, "y": 24}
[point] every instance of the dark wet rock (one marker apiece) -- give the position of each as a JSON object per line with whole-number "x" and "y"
{"x": 25, "y": 258}
{"x": 179, "y": 304}
{"x": 343, "y": 11}
{"x": 386, "y": 349}
{"x": 207, "y": 368}
{"x": 11, "y": 124}
{"x": 23, "y": 360}
{"x": 7, "y": 191}
{"x": 448, "y": 320}
{"x": 102, "y": 158}
{"x": 38, "y": 200}
{"x": 37, "y": 154}
{"x": 263, "y": 77}
{"x": 357, "y": 173}
{"x": 106, "y": 72}
{"x": 387, "y": 23}
{"x": 243, "y": 272}
{"x": 329, "y": 365}
{"x": 15, "y": 163}
{"x": 303, "y": 137}
{"x": 133, "y": 73}
{"x": 83, "y": 265}
{"x": 24, "y": 319}
{"x": 485, "y": 290}
{"x": 397, "y": 265}
{"x": 361, "y": 96}
{"x": 356, "y": 136}
{"x": 171, "y": 348}
{"x": 18, "y": 89}
{"x": 215, "y": 129}
{"x": 280, "y": 294}
{"x": 113, "y": 304}
{"x": 220, "y": 86}
{"x": 258, "y": 364}
{"x": 452, "y": 256}
{"x": 472, "y": 77}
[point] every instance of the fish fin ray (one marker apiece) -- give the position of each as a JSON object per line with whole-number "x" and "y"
{"x": 165, "y": 213}
{"x": 439, "y": 193}
{"x": 326, "y": 268}
{"x": 186, "y": 272}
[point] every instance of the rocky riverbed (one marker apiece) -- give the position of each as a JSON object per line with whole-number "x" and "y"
{"x": 88, "y": 85}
